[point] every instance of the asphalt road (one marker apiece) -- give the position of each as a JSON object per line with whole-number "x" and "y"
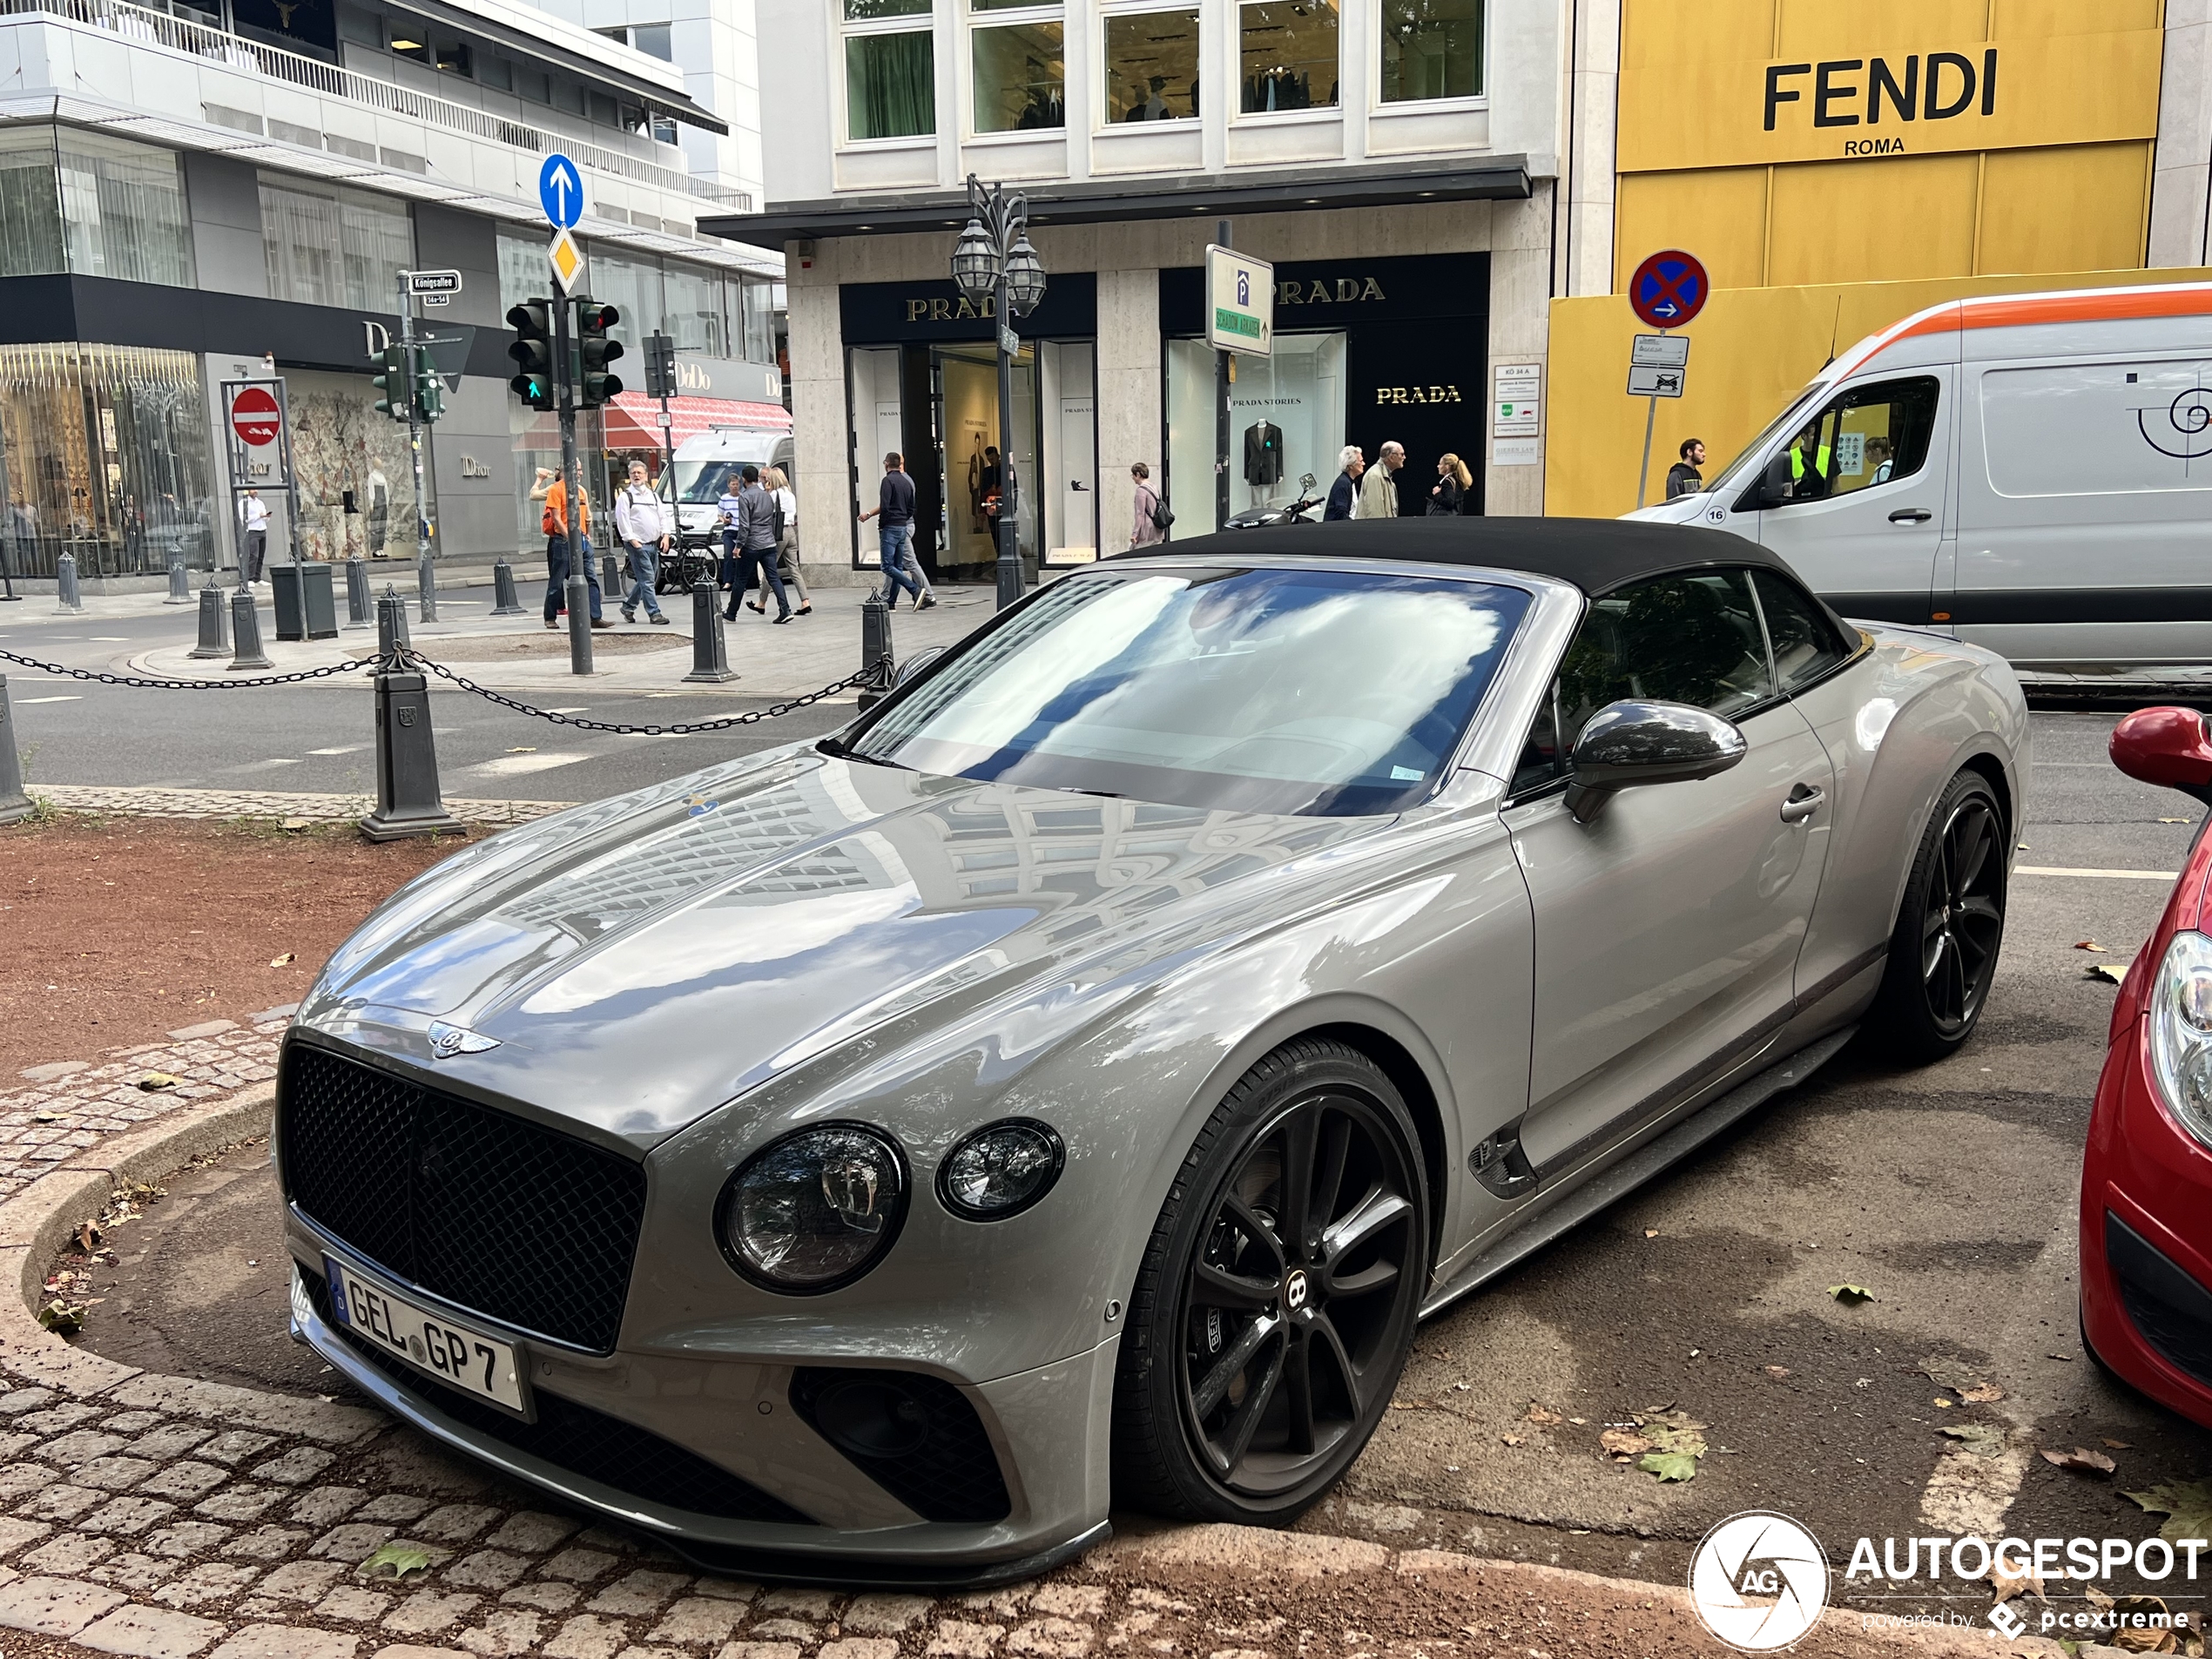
{"x": 1947, "y": 1192}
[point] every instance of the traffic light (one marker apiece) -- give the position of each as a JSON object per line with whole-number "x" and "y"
{"x": 393, "y": 383}
{"x": 429, "y": 389}
{"x": 532, "y": 351}
{"x": 660, "y": 366}
{"x": 595, "y": 386}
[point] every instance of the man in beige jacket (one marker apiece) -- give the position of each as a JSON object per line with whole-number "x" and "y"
{"x": 1378, "y": 490}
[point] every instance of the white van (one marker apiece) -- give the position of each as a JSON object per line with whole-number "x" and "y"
{"x": 2031, "y": 471}
{"x": 710, "y": 463}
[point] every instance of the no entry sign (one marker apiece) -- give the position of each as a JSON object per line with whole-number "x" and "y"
{"x": 255, "y": 417}
{"x": 1668, "y": 289}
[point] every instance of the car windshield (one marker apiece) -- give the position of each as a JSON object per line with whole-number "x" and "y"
{"x": 1797, "y": 406}
{"x": 1335, "y": 693}
{"x": 707, "y": 480}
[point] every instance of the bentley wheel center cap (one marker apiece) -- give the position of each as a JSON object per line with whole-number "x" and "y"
{"x": 1296, "y": 1290}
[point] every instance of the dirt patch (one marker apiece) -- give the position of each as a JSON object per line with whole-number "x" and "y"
{"x": 621, "y": 640}
{"x": 122, "y": 930}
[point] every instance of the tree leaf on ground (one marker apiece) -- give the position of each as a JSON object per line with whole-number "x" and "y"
{"x": 2104, "y": 971}
{"x": 1623, "y": 1443}
{"x": 2087, "y": 944}
{"x": 87, "y": 1238}
{"x": 154, "y": 1082}
{"x": 62, "y": 1318}
{"x": 1668, "y": 1466}
{"x": 1778, "y": 1371}
{"x": 1984, "y": 1395}
{"x": 1851, "y": 1295}
{"x": 2187, "y": 1506}
{"x": 1983, "y": 1440}
{"x": 1541, "y": 1417}
{"x": 2008, "y": 1585}
{"x": 396, "y": 1561}
{"x": 2121, "y": 1446}
{"x": 281, "y": 962}
{"x": 2148, "y": 1638}
{"x": 2081, "y": 1459}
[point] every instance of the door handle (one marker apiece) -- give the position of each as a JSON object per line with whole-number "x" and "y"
{"x": 1805, "y": 800}
{"x": 1911, "y": 515}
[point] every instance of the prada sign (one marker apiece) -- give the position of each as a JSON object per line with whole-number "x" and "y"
{"x": 1312, "y": 294}
{"x": 888, "y": 313}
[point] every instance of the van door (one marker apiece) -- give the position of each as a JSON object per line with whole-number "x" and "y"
{"x": 1858, "y": 500}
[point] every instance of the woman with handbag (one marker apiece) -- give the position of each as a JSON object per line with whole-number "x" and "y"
{"x": 1151, "y": 515}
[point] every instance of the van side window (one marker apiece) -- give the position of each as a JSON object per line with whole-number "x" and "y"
{"x": 1806, "y": 644}
{"x": 1869, "y": 436}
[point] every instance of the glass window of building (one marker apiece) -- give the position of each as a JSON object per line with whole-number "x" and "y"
{"x": 652, "y": 39}
{"x": 1152, "y": 65}
{"x": 695, "y": 320}
{"x": 631, "y": 283}
{"x": 122, "y": 209}
{"x": 524, "y": 272}
{"x": 1431, "y": 48}
{"x": 1287, "y": 52}
{"x": 332, "y": 247}
{"x": 890, "y": 69}
{"x": 31, "y": 217}
{"x": 1020, "y": 76}
{"x": 759, "y": 320}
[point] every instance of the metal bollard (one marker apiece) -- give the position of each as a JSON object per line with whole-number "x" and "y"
{"x": 710, "y": 647}
{"x": 391, "y": 623}
{"x": 69, "y": 603}
{"x": 357, "y": 603}
{"x": 408, "y": 802}
{"x": 214, "y": 622}
{"x": 426, "y": 585}
{"x": 14, "y": 805}
{"x": 179, "y": 583}
{"x": 876, "y": 658}
{"x": 577, "y": 592}
{"x": 612, "y": 587}
{"x": 505, "y": 601}
{"x": 245, "y": 633}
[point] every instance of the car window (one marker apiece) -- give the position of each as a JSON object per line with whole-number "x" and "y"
{"x": 1806, "y": 644}
{"x": 1866, "y": 436}
{"x": 1692, "y": 638}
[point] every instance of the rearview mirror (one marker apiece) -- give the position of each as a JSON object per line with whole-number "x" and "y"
{"x": 2166, "y": 747}
{"x": 1630, "y": 743}
{"x": 1305, "y": 483}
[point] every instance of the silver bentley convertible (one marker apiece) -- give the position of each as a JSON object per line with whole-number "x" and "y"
{"x": 1067, "y": 1086}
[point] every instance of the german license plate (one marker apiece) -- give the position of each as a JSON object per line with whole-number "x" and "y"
{"x": 456, "y": 1356}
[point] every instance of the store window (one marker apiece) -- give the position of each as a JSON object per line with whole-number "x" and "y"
{"x": 761, "y": 299}
{"x": 890, "y": 69}
{"x": 1431, "y": 48}
{"x": 30, "y": 219}
{"x": 1286, "y": 419}
{"x": 1287, "y": 51}
{"x": 1020, "y": 76}
{"x": 694, "y": 304}
{"x": 1151, "y": 65}
{"x": 334, "y": 246}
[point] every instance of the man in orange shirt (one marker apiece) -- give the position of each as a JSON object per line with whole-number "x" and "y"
{"x": 553, "y": 490}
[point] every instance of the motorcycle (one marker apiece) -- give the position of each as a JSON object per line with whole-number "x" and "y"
{"x": 1300, "y": 511}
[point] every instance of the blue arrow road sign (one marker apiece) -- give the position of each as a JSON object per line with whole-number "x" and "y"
{"x": 560, "y": 191}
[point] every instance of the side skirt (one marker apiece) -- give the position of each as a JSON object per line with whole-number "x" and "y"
{"x": 1637, "y": 1168}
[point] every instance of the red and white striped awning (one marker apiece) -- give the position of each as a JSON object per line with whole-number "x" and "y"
{"x": 633, "y": 419}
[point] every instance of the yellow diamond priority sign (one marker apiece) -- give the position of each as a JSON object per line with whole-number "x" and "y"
{"x": 567, "y": 259}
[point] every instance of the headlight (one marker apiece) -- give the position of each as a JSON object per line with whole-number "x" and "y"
{"x": 1000, "y": 1171}
{"x": 815, "y": 1210}
{"x": 2181, "y": 1032}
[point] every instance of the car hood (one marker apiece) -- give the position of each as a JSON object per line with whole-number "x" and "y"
{"x": 640, "y": 962}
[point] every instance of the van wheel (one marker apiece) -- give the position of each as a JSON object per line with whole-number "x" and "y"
{"x": 1943, "y": 953}
{"x": 1276, "y": 1305}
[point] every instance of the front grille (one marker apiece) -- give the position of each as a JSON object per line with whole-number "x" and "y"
{"x": 526, "y": 1226}
{"x": 952, "y": 1475}
{"x": 584, "y": 1441}
{"x": 2172, "y": 1310}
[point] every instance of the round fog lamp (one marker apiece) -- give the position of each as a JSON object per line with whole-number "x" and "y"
{"x": 1001, "y": 1169}
{"x": 815, "y": 1210}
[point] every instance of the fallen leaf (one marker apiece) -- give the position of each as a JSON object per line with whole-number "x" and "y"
{"x": 1668, "y": 1466}
{"x": 2104, "y": 971}
{"x": 62, "y": 1318}
{"x": 1982, "y": 1395}
{"x": 2087, "y": 944}
{"x": 1943, "y": 1405}
{"x": 2081, "y": 1459}
{"x": 1851, "y": 1295}
{"x": 2027, "y": 1582}
{"x": 1511, "y": 1439}
{"x": 1778, "y": 1371}
{"x": 2095, "y": 1597}
{"x": 2145, "y": 1638}
{"x": 154, "y": 1082}
{"x": 1623, "y": 1443}
{"x": 396, "y": 1561}
{"x": 2121, "y": 1446}
{"x": 280, "y": 962}
{"x": 88, "y": 1237}
{"x": 2188, "y": 1508}
{"x": 1651, "y": 1232}
{"x": 1982, "y": 1440}
{"x": 295, "y": 826}
{"x": 1541, "y": 1417}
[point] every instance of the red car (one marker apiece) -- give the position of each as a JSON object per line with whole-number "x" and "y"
{"x": 2146, "y": 1180}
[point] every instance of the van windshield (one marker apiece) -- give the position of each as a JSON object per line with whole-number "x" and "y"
{"x": 706, "y": 481}
{"x": 1800, "y": 408}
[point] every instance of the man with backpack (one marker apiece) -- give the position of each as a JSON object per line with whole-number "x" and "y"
{"x": 553, "y": 490}
{"x": 642, "y": 522}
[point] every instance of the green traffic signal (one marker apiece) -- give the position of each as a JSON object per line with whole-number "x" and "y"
{"x": 393, "y": 383}
{"x": 532, "y": 321}
{"x": 595, "y": 350}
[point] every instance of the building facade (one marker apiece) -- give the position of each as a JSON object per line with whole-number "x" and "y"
{"x": 189, "y": 195}
{"x": 1394, "y": 158}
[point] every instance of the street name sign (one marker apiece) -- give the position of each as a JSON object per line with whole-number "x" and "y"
{"x": 433, "y": 282}
{"x": 1240, "y": 302}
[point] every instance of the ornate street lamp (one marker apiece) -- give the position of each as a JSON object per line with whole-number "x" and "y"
{"x": 994, "y": 264}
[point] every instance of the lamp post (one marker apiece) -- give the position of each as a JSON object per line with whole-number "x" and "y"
{"x": 995, "y": 266}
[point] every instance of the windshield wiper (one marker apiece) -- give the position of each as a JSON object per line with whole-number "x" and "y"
{"x": 846, "y": 751}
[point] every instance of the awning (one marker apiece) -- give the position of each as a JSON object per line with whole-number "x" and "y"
{"x": 633, "y": 419}
{"x": 661, "y": 100}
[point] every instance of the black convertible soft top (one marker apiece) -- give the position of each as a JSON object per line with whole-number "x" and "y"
{"x": 1596, "y": 555}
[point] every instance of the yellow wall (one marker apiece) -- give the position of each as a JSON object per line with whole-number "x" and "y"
{"x": 1750, "y": 352}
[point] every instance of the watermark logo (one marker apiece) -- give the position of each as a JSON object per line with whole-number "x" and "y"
{"x": 2009, "y": 1624}
{"x": 1759, "y": 1581}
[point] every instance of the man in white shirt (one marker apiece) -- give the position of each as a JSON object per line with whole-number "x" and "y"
{"x": 253, "y": 513}
{"x": 641, "y": 522}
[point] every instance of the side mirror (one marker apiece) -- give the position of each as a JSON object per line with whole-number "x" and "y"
{"x": 1626, "y": 744}
{"x": 1306, "y": 480}
{"x": 916, "y": 664}
{"x": 2167, "y": 747}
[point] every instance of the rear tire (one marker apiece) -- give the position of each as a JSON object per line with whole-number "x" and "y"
{"x": 1949, "y": 928}
{"x": 1276, "y": 1303}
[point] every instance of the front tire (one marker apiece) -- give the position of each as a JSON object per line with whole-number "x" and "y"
{"x": 1277, "y": 1301}
{"x": 1943, "y": 954}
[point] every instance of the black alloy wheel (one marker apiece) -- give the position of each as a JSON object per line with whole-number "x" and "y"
{"x": 1943, "y": 954}
{"x": 1279, "y": 1296}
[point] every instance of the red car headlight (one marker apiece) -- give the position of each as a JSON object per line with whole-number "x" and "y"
{"x": 2180, "y": 1009}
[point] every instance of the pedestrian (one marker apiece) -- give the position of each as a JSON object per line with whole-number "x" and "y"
{"x": 254, "y": 512}
{"x": 1686, "y": 477}
{"x": 787, "y": 527}
{"x": 725, "y": 511}
{"x": 1449, "y": 498}
{"x": 1145, "y": 527}
{"x": 641, "y": 520}
{"x": 1880, "y": 458}
{"x": 756, "y": 546}
{"x": 1378, "y": 490}
{"x": 895, "y": 506}
{"x": 553, "y": 490}
{"x": 1343, "y": 494}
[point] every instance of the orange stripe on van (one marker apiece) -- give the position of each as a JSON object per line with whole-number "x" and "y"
{"x": 2089, "y": 306}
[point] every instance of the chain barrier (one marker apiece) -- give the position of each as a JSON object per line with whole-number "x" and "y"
{"x": 415, "y": 659}
{"x": 350, "y": 666}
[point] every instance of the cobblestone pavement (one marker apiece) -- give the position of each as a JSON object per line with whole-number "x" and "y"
{"x": 147, "y": 801}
